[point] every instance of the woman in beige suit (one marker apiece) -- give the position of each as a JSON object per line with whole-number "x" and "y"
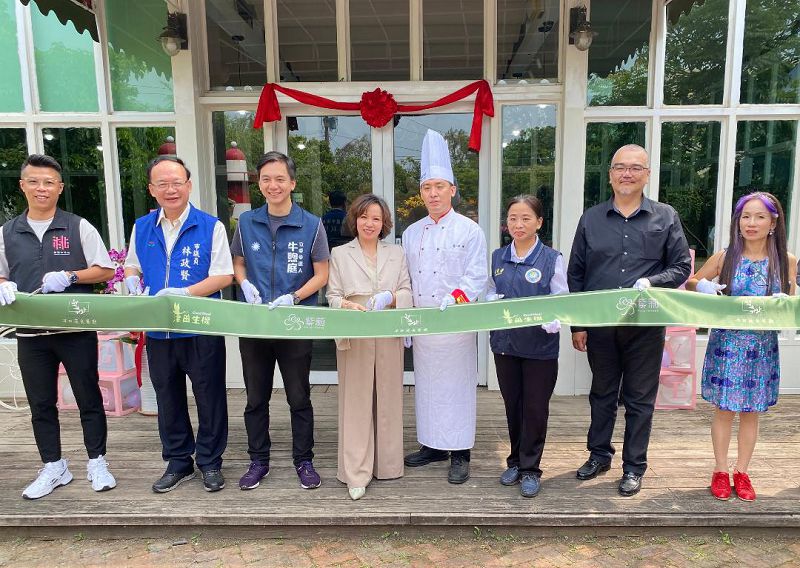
{"x": 367, "y": 274}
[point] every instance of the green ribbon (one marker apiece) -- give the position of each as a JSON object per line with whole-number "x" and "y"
{"x": 182, "y": 314}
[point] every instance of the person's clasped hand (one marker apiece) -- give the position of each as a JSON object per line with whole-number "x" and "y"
{"x": 705, "y": 286}
{"x": 173, "y": 292}
{"x": 552, "y": 326}
{"x": 494, "y": 297}
{"x": 251, "y": 293}
{"x": 55, "y": 282}
{"x": 134, "y": 285}
{"x": 642, "y": 284}
{"x": 285, "y": 300}
{"x": 448, "y": 300}
{"x": 781, "y": 295}
{"x": 380, "y": 301}
{"x": 8, "y": 293}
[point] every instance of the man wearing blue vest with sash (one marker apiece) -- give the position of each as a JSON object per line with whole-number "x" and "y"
{"x": 179, "y": 250}
{"x": 280, "y": 254}
{"x": 49, "y": 250}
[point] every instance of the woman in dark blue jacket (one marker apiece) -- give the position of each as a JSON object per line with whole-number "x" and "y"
{"x": 526, "y": 358}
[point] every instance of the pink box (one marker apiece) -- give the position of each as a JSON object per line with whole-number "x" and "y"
{"x": 113, "y": 356}
{"x": 121, "y": 394}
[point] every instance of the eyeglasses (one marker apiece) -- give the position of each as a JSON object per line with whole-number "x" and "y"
{"x": 164, "y": 186}
{"x": 47, "y": 183}
{"x": 634, "y": 169}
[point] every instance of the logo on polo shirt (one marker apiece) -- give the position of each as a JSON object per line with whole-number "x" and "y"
{"x": 61, "y": 245}
{"x": 256, "y": 246}
{"x": 533, "y": 275}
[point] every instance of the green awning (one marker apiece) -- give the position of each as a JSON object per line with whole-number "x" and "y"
{"x": 79, "y": 12}
{"x": 681, "y": 7}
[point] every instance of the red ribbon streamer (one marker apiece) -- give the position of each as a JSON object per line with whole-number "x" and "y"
{"x": 269, "y": 110}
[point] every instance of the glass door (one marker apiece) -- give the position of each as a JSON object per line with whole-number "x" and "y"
{"x": 333, "y": 155}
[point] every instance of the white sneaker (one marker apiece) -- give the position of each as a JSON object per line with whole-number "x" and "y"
{"x": 97, "y": 472}
{"x": 52, "y": 475}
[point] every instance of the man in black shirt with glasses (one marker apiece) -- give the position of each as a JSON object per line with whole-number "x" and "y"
{"x": 628, "y": 241}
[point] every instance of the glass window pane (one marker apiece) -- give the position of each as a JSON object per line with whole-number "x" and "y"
{"x": 452, "y": 40}
{"x": 765, "y": 159}
{"x": 63, "y": 57}
{"x": 379, "y": 40}
{"x": 618, "y": 58}
{"x": 11, "y": 85}
{"x": 237, "y": 148}
{"x": 80, "y": 154}
{"x": 307, "y": 38}
{"x": 529, "y": 157}
{"x": 13, "y": 152}
{"x": 689, "y": 168}
{"x": 408, "y": 134}
{"x": 331, "y": 153}
{"x": 237, "y": 54}
{"x": 771, "y": 55}
{"x": 695, "y": 60}
{"x": 141, "y": 73}
{"x": 603, "y": 139}
{"x": 136, "y": 146}
{"x": 527, "y": 40}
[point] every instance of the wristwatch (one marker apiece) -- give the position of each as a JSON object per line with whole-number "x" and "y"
{"x": 295, "y": 298}
{"x": 73, "y": 277}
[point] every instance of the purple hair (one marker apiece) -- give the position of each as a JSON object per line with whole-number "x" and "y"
{"x": 760, "y": 195}
{"x": 778, "y": 266}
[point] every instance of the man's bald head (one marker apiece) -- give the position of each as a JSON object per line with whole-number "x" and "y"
{"x": 631, "y": 149}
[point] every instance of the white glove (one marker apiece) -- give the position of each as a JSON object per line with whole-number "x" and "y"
{"x": 55, "y": 282}
{"x": 552, "y": 326}
{"x": 251, "y": 293}
{"x": 781, "y": 295}
{"x": 494, "y": 297}
{"x": 407, "y": 342}
{"x": 285, "y": 300}
{"x": 709, "y": 287}
{"x": 448, "y": 300}
{"x": 8, "y": 293}
{"x": 641, "y": 284}
{"x": 380, "y": 301}
{"x": 134, "y": 285}
{"x": 173, "y": 292}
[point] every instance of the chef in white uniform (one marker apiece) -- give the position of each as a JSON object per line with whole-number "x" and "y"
{"x": 447, "y": 259}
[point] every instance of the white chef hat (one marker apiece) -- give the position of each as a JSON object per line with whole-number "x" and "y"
{"x": 435, "y": 159}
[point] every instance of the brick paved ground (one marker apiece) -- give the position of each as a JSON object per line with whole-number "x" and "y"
{"x": 484, "y": 548}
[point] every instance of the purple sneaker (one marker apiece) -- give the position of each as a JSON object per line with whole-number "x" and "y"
{"x": 309, "y": 478}
{"x": 255, "y": 473}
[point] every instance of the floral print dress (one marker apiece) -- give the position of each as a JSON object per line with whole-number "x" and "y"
{"x": 741, "y": 371}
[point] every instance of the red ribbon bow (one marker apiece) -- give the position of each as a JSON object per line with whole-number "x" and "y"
{"x": 379, "y": 106}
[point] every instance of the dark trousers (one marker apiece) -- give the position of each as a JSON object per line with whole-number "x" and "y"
{"x": 258, "y": 364}
{"x": 39, "y": 358}
{"x": 526, "y": 386}
{"x": 630, "y": 356}
{"x": 202, "y": 358}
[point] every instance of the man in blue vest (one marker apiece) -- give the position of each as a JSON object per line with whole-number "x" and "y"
{"x": 182, "y": 251}
{"x": 280, "y": 253}
{"x": 53, "y": 251}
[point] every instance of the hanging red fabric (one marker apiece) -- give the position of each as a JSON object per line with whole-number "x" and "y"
{"x": 379, "y": 106}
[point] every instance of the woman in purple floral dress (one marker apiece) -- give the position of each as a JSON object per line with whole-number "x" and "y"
{"x": 741, "y": 372}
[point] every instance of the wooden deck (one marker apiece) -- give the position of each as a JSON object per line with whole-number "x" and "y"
{"x": 675, "y": 491}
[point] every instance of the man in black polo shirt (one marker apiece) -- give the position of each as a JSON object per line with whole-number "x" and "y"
{"x": 49, "y": 249}
{"x": 628, "y": 241}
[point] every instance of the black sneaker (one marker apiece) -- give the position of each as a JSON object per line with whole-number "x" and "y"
{"x": 170, "y": 480}
{"x": 459, "y": 469}
{"x": 213, "y": 480}
{"x": 424, "y": 456}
